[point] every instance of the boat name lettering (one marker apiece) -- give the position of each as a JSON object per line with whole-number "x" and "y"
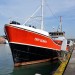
{"x": 40, "y": 40}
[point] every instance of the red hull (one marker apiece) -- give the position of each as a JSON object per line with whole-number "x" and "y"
{"x": 59, "y": 42}
{"x": 23, "y": 36}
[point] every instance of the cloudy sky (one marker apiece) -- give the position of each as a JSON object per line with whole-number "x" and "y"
{"x": 20, "y": 10}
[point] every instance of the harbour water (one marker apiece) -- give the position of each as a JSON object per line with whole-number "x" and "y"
{"x": 7, "y": 65}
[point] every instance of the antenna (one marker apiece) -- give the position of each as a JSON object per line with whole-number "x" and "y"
{"x": 42, "y": 14}
{"x": 60, "y": 23}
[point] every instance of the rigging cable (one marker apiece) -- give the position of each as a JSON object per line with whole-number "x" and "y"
{"x": 50, "y": 10}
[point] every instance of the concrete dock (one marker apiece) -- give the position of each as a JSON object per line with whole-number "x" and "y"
{"x": 67, "y": 66}
{"x": 70, "y": 70}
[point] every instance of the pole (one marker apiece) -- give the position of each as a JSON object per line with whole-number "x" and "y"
{"x": 60, "y": 23}
{"x": 42, "y": 15}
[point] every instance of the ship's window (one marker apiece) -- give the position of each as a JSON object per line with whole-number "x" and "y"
{"x": 52, "y": 34}
{"x": 59, "y": 33}
{"x": 68, "y": 42}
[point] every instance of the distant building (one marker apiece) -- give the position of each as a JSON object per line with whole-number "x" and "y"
{"x": 2, "y": 40}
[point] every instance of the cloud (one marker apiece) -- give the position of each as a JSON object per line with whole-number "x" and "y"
{"x": 20, "y": 10}
{"x": 60, "y": 6}
{"x": 24, "y": 8}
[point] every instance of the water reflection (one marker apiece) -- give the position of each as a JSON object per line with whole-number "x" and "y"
{"x": 43, "y": 68}
{"x": 7, "y": 65}
{"x": 6, "y": 62}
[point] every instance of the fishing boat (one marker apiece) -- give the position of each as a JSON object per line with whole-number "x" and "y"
{"x": 29, "y": 43}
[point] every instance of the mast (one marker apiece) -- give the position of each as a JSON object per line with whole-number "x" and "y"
{"x": 42, "y": 14}
{"x": 42, "y": 23}
{"x": 60, "y": 23}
